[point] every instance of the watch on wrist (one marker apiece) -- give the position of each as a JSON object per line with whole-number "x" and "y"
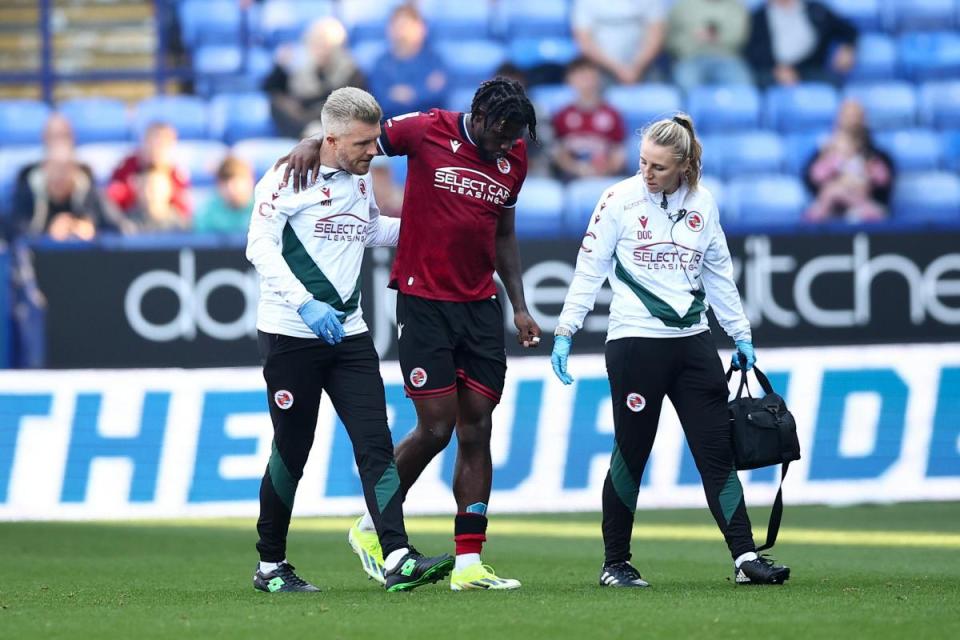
{"x": 563, "y": 331}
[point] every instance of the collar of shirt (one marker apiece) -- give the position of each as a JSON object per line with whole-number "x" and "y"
{"x": 674, "y": 200}
{"x": 465, "y": 128}
{"x": 329, "y": 173}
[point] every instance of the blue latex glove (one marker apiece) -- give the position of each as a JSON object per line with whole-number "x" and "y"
{"x": 744, "y": 349}
{"x": 323, "y": 320}
{"x": 561, "y": 350}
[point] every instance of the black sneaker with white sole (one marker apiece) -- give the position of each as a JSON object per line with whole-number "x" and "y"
{"x": 281, "y": 580}
{"x": 621, "y": 574}
{"x": 760, "y": 571}
{"x": 415, "y": 570}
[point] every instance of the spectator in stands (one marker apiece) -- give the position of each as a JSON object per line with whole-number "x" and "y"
{"x": 57, "y": 196}
{"x": 410, "y": 76}
{"x": 849, "y": 176}
{"x": 622, "y": 37}
{"x": 299, "y": 84}
{"x": 229, "y": 210}
{"x": 795, "y": 41}
{"x": 589, "y": 133}
{"x": 151, "y": 191}
{"x": 705, "y": 38}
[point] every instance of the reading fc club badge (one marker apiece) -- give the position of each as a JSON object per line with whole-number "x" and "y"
{"x": 362, "y": 187}
{"x": 636, "y": 402}
{"x": 283, "y": 399}
{"x": 503, "y": 165}
{"x": 418, "y": 377}
{"x": 694, "y": 221}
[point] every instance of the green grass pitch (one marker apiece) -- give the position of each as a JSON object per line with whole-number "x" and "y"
{"x": 858, "y": 572}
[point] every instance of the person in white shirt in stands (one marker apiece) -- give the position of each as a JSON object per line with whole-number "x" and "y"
{"x": 308, "y": 248}
{"x": 622, "y": 37}
{"x": 656, "y": 237}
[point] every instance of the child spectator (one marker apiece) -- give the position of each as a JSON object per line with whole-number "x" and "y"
{"x": 588, "y": 134}
{"x": 849, "y": 176}
{"x": 229, "y": 210}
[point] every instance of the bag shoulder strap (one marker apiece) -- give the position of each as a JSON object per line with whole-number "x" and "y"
{"x": 761, "y": 378}
{"x": 776, "y": 513}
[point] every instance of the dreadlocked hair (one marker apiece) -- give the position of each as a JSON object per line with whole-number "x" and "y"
{"x": 503, "y": 99}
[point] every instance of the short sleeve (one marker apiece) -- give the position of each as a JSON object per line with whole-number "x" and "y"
{"x": 402, "y": 134}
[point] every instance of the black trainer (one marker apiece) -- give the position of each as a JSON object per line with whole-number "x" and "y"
{"x": 416, "y": 569}
{"x": 621, "y": 574}
{"x": 760, "y": 571}
{"x": 282, "y": 579}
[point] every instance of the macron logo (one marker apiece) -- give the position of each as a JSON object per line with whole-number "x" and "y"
{"x": 455, "y": 145}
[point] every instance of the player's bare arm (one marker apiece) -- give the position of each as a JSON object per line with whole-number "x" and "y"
{"x": 303, "y": 163}
{"x": 508, "y": 268}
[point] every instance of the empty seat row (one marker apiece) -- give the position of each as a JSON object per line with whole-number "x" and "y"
{"x": 549, "y": 209}
{"x": 278, "y": 21}
{"x": 227, "y": 117}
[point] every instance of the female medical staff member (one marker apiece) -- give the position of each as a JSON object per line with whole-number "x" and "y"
{"x": 656, "y": 236}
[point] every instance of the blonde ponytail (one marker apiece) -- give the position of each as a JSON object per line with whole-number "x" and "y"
{"x": 678, "y": 134}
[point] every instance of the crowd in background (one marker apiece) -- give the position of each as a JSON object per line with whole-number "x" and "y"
{"x": 693, "y": 43}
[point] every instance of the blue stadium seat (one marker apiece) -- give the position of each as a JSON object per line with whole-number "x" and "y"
{"x": 188, "y": 114}
{"x": 912, "y": 149}
{"x": 262, "y": 153}
{"x": 748, "y": 152}
{"x": 366, "y": 53}
{"x": 97, "y": 119}
{"x": 801, "y": 107}
{"x": 285, "y": 20}
{"x": 581, "y": 197}
{"x": 470, "y": 62}
{"x": 951, "y": 150}
{"x": 865, "y": 14}
{"x": 552, "y": 97}
{"x": 927, "y": 197}
{"x": 915, "y": 15}
{"x": 12, "y": 160}
{"x": 22, "y": 121}
{"x": 889, "y": 105}
{"x": 799, "y": 148}
{"x": 235, "y": 116}
{"x": 540, "y": 209}
{"x": 398, "y": 168}
{"x": 210, "y": 21}
{"x": 641, "y": 104}
{"x": 765, "y": 200}
{"x": 717, "y": 189}
{"x": 457, "y": 19}
{"x": 103, "y": 157}
{"x": 540, "y": 19}
{"x": 362, "y": 16}
{"x": 876, "y": 58}
{"x": 924, "y": 56}
{"x": 940, "y": 104}
{"x": 460, "y": 99}
{"x": 216, "y": 66}
{"x": 530, "y": 52}
{"x": 200, "y": 159}
{"x": 723, "y": 108}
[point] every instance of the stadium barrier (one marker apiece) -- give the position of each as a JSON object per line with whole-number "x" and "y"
{"x": 875, "y": 424}
{"x": 184, "y": 301}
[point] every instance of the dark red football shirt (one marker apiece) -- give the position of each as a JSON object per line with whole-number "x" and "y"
{"x": 451, "y": 206}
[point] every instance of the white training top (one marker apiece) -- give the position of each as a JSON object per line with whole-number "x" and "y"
{"x": 310, "y": 245}
{"x": 666, "y": 265}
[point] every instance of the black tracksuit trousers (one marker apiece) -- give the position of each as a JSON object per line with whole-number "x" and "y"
{"x": 688, "y": 371}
